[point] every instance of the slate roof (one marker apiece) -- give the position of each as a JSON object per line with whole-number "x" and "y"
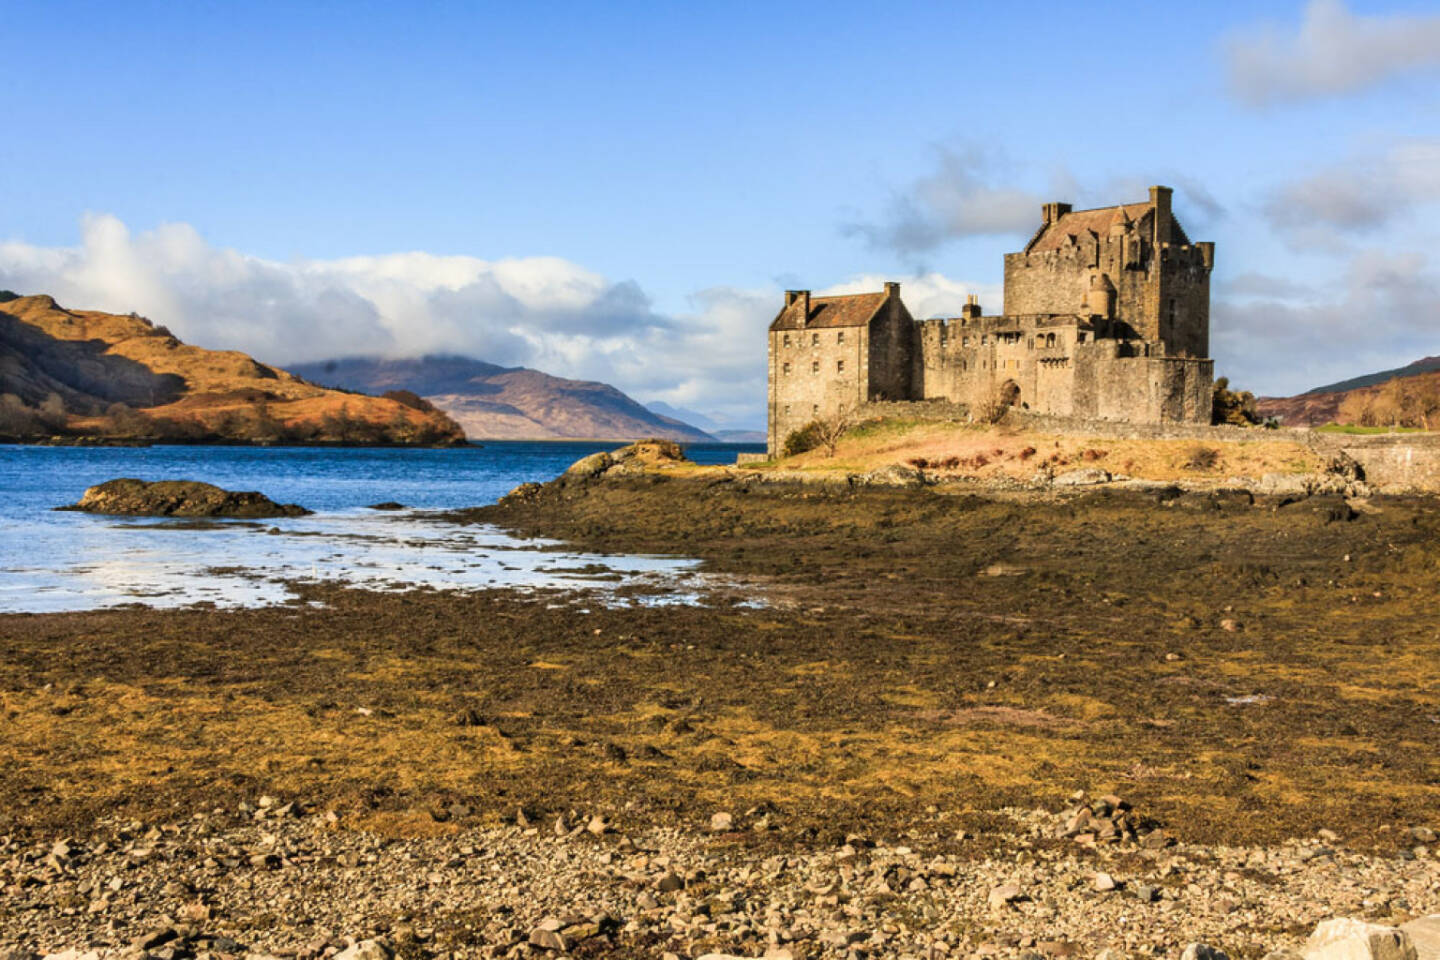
{"x": 1078, "y": 223}
{"x": 850, "y": 310}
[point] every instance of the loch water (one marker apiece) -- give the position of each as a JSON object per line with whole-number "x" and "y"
{"x": 55, "y": 561}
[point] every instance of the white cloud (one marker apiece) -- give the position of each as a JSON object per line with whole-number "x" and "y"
{"x": 1377, "y": 315}
{"x": 1326, "y": 210}
{"x": 1332, "y": 52}
{"x": 926, "y": 295}
{"x": 958, "y": 199}
{"x": 963, "y": 197}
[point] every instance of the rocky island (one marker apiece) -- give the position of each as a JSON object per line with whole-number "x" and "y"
{"x": 180, "y": 498}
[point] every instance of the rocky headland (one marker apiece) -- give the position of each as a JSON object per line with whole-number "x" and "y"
{"x": 68, "y": 375}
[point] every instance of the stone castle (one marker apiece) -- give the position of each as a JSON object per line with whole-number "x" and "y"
{"x": 1106, "y": 316}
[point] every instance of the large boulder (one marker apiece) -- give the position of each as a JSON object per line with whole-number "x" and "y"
{"x": 180, "y": 498}
{"x": 1425, "y": 934}
{"x": 646, "y": 455}
{"x": 1084, "y": 477}
{"x": 640, "y": 457}
{"x": 592, "y": 466}
{"x": 1348, "y": 939}
{"x": 894, "y": 475}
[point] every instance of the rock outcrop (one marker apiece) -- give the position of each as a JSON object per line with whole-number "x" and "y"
{"x": 180, "y": 498}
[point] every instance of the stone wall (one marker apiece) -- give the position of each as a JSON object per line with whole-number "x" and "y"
{"x": 814, "y": 373}
{"x": 1393, "y": 462}
{"x": 937, "y": 410}
{"x": 892, "y": 343}
{"x": 969, "y": 360}
{"x": 1109, "y": 385}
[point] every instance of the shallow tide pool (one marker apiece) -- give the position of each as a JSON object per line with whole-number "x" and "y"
{"x": 56, "y": 561}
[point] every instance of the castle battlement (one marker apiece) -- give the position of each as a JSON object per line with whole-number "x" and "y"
{"x": 1106, "y": 315}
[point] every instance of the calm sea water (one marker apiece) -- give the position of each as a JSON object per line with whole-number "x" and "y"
{"x": 66, "y": 561}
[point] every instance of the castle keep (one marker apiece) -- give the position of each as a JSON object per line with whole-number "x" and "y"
{"x": 1106, "y": 316}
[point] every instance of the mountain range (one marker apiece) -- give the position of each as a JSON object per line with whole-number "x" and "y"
{"x": 85, "y": 373}
{"x": 492, "y": 402}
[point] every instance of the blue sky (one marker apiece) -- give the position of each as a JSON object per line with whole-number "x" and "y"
{"x": 620, "y": 191}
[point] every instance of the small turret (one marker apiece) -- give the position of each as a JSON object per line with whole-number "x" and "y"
{"x": 1099, "y": 300}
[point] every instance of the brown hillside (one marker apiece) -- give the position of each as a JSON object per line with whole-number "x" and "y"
{"x": 1302, "y": 410}
{"x": 1401, "y": 401}
{"x": 90, "y": 373}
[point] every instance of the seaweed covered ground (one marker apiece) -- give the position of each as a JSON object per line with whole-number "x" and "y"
{"x": 1240, "y": 672}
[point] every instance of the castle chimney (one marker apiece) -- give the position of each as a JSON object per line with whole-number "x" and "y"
{"x": 1050, "y": 212}
{"x": 1207, "y": 253}
{"x": 801, "y": 297}
{"x": 971, "y": 310}
{"x": 1160, "y": 200}
{"x": 892, "y": 290}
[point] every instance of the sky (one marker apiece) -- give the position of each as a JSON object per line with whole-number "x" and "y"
{"x": 622, "y": 191}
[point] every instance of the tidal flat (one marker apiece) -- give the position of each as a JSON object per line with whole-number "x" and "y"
{"x": 1244, "y": 674}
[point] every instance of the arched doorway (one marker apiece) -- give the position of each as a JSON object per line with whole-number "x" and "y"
{"x": 1010, "y": 393}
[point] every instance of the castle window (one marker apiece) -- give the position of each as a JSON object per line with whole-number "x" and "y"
{"x": 787, "y": 409}
{"x": 1031, "y": 344}
{"x": 786, "y": 370}
{"x": 840, "y": 337}
{"x": 815, "y": 409}
{"x": 814, "y": 366}
{"x": 839, "y": 366}
{"x": 963, "y": 365}
{"x": 787, "y": 339}
{"x": 814, "y": 339}
{"x": 984, "y": 339}
{"x": 1079, "y": 338}
{"x": 964, "y": 341}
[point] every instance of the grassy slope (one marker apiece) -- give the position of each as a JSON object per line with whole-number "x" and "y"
{"x": 1001, "y": 452}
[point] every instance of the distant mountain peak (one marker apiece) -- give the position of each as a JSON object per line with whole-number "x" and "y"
{"x": 505, "y": 403}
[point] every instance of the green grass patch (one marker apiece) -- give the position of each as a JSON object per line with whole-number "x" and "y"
{"x": 1356, "y": 428}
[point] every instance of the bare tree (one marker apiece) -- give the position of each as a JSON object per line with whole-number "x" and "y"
{"x": 829, "y": 430}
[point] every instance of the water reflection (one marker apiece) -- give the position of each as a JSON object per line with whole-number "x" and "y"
{"x": 108, "y": 561}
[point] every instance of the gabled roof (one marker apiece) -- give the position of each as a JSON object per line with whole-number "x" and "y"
{"x": 850, "y": 310}
{"x": 1079, "y": 223}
